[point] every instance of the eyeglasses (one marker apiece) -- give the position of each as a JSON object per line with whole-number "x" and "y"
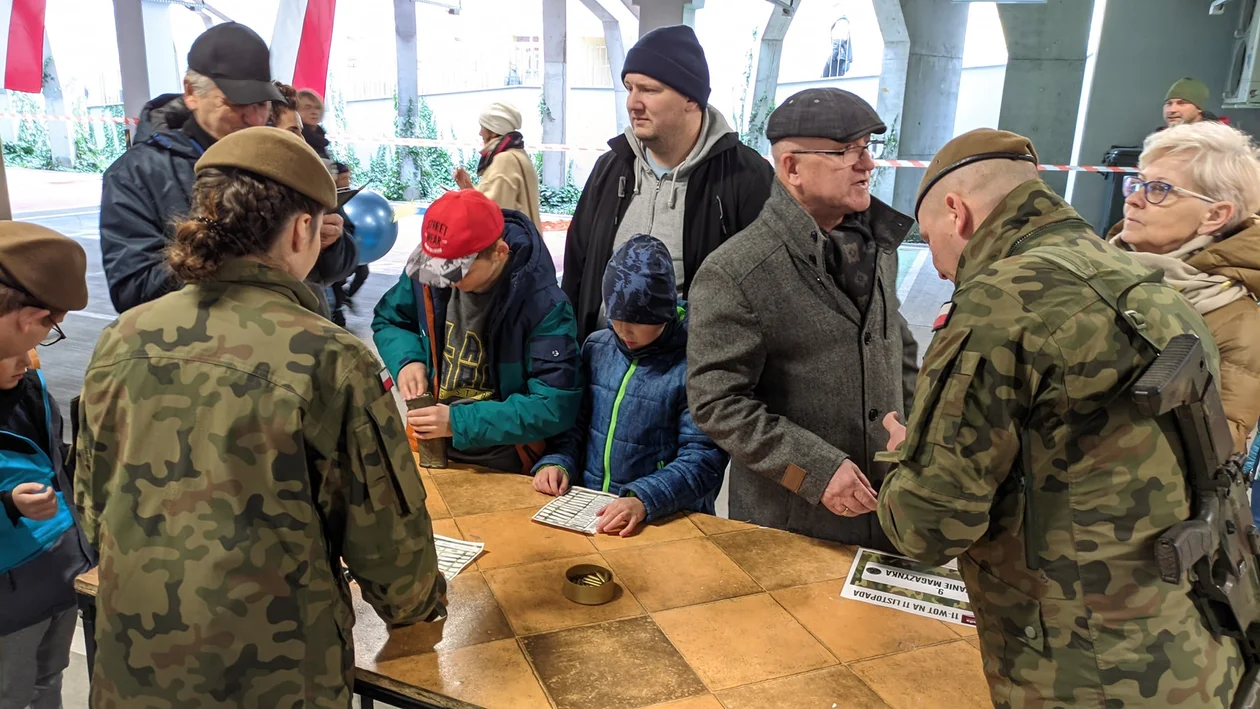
{"x": 850, "y": 155}
{"x": 54, "y": 336}
{"x": 1156, "y": 191}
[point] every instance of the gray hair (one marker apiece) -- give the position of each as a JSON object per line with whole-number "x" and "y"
{"x": 200, "y": 83}
{"x": 1221, "y": 160}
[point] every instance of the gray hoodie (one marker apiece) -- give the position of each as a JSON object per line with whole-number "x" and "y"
{"x": 657, "y": 204}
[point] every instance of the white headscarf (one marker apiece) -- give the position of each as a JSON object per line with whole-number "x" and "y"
{"x": 500, "y": 119}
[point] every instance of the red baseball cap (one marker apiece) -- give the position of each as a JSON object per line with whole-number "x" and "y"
{"x": 457, "y": 226}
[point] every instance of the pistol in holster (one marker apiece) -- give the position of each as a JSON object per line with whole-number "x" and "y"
{"x": 1219, "y": 546}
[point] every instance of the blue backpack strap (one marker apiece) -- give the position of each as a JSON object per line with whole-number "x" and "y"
{"x": 43, "y": 387}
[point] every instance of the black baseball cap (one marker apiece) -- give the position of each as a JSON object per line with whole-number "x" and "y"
{"x": 829, "y": 113}
{"x": 238, "y": 62}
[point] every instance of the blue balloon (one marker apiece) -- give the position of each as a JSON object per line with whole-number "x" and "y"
{"x": 374, "y": 227}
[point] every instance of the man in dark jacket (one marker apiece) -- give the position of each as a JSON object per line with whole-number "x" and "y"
{"x": 797, "y": 347}
{"x": 227, "y": 88}
{"x": 678, "y": 173}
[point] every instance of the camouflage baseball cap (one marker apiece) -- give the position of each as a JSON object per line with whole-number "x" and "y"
{"x": 457, "y": 226}
{"x": 972, "y": 147}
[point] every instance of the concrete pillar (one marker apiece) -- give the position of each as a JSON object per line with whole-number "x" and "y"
{"x": 1045, "y": 71}
{"x": 146, "y": 53}
{"x": 937, "y": 30}
{"x": 892, "y": 89}
{"x": 659, "y": 13}
{"x": 689, "y": 12}
{"x": 767, "y": 79}
{"x": 616, "y": 59}
{"x": 555, "y": 88}
{"x": 1132, "y": 73}
{"x": 60, "y": 133}
{"x": 408, "y": 83}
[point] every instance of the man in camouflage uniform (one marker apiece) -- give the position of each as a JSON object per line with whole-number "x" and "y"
{"x": 1025, "y": 398}
{"x": 236, "y": 447}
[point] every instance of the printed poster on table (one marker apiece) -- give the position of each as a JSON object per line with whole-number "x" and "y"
{"x": 575, "y": 510}
{"x": 904, "y": 584}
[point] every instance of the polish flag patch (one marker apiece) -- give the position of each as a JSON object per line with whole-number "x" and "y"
{"x": 386, "y": 380}
{"x": 942, "y": 317}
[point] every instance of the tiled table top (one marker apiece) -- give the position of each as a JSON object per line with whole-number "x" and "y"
{"x": 710, "y": 613}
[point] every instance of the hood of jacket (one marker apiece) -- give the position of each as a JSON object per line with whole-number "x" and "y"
{"x": 160, "y": 124}
{"x": 1236, "y": 257}
{"x": 713, "y": 127}
{"x": 531, "y": 269}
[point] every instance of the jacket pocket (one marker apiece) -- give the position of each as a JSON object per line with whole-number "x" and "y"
{"x": 389, "y": 470}
{"x": 1012, "y": 634}
{"x": 927, "y": 394}
{"x": 949, "y": 408}
{"x": 553, "y": 361}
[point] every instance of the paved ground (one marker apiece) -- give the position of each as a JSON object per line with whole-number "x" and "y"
{"x": 919, "y": 289}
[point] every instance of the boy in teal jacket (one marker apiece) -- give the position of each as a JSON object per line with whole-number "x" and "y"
{"x": 479, "y": 320}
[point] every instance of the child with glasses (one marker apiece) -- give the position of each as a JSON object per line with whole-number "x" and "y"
{"x": 41, "y": 547}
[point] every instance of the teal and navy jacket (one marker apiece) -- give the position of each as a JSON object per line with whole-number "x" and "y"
{"x": 635, "y": 435}
{"x": 533, "y": 348}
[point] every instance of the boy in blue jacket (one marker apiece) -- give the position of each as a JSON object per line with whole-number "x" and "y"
{"x": 42, "y": 276}
{"x": 635, "y": 437}
{"x": 478, "y": 319}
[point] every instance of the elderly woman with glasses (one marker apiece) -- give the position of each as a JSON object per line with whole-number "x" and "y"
{"x": 1191, "y": 212}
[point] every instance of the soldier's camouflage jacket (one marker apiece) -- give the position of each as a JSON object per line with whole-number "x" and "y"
{"x": 1033, "y": 372}
{"x": 233, "y": 446}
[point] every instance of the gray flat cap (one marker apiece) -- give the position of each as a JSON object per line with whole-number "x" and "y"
{"x": 829, "y": 113}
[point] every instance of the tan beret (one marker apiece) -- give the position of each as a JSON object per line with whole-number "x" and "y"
{"x": 972, "y": 147}
{"x": 277, "y": 155}
{"x": 49, "y": 267}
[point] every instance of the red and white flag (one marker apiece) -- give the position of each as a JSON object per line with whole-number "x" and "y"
{"x": 22, "y": 57}
{"x": 302, "y": 42}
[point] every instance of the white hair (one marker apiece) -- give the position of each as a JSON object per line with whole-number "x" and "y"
{"x": 1222, "y": 163}
{"x": 200, "y": 83}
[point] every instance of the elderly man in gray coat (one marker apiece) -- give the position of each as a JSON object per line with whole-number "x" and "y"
{"x": 797, "y": 348}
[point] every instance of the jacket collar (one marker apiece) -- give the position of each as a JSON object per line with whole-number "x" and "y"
{"x": 798, "y": 229}
{"x": 1028, "y": 211}
{"x": 245, "y": 272}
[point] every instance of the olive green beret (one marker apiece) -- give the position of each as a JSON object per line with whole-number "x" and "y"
{"x": 972, "y": 147}
{"x": 49, "y": 267}
{"x": 277, "y": 155}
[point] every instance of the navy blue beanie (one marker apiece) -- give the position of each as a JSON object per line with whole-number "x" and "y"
{"x": 673, "y": 56}
{"x": 639, "y": 283}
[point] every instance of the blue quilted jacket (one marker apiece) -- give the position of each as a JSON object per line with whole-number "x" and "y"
{"x": 635, "y": 434}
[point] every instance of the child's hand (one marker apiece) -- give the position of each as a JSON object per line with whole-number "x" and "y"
{"x": 412, "y": 380}
{"x": 551, "y": 480}
{"x": 621, "y": 516}
{"x": 35, "y": 501}
{"x": 431, "y": 422}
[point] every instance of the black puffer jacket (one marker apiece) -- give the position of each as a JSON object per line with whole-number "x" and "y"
{"x": 725, "y": 193}
{"x": 142, "y": 194}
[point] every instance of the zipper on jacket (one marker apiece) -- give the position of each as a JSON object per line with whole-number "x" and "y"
{"x": 612, "y": 425}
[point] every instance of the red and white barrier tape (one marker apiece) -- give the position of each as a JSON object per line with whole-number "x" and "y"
{"x": 545, "y": 147}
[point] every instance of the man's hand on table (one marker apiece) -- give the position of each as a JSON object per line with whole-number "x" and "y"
{"x": 621, "y": 517}
{"x": 849, "y": 493}
{"x": 551, "y": 480}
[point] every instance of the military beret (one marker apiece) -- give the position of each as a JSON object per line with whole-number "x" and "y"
{"x": 972, "y": 147}
{"x": 277, "y": 155}
{"x": 49, "y": 267}
{"x": 834, "y": 114}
